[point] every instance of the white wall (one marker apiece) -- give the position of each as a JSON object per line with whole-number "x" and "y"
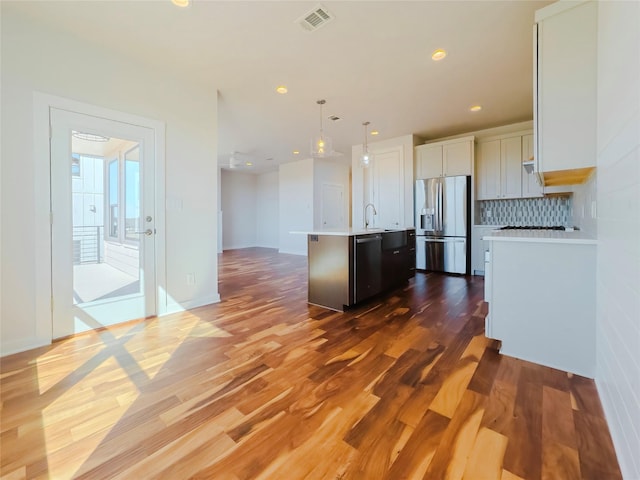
{"x": 36, "y": 58}
{"x": 583, "y": 206}
{"x": 618, "y": 212}
{"x": 267, "y": 210}
{"x": 238, "y": 209}
{"x": 296, "y": 205}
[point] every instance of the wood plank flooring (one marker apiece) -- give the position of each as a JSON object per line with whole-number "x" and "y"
{"x": 264, "y": 386}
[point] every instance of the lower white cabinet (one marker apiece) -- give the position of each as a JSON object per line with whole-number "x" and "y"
{"x": 542, "y": 302}
{"x": 479, "y": 247}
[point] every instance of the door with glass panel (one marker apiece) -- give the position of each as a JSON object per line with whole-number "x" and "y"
{"x": 103, "y": 234}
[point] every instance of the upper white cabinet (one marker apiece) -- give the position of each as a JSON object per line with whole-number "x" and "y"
{"x": 565, "y": 43}
{"x": 448, "y": 158}
{"x": 499, "y": 170}
{"x": 531, "y": 186}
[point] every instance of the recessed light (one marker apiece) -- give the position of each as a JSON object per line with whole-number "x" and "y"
{"x": 249, "y": 164}
{"x": 281, "y": 89}
{"x": 438, "y": 55}
{"x": 296, "y": 152}
{"x": 181, "y": 3}
{"x": 475, "y": 108}
{"x": 375, "y": 132}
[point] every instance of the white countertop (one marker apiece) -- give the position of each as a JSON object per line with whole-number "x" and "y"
{"x": 352, "y": 231}
{"x": 540, "y": 236}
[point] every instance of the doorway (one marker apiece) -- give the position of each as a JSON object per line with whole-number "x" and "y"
{"x": 103, "y": 222}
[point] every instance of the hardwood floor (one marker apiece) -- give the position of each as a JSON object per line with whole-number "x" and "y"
{"x": 264, "y": 386}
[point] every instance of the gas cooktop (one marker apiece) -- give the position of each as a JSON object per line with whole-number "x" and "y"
{"x": 533, "y": 227}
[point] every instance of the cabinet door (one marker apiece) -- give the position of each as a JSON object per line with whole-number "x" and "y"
{"x": 388, "y": 189}
{"x": 488, "y": 170}
{"x": 429, "y": 161}
{"x": 511, "y": 167}
{"x": 567, "y": 53}
{"x": 457, "y": 159}
{"x": 530, "y": 185}
{"x": 477, "y": 251}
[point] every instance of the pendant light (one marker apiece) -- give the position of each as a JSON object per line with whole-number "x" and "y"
{"x": 321, "y": 145}
{"x": 366, "y": 159}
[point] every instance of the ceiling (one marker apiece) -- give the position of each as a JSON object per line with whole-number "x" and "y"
{"x": 372, "y": 62}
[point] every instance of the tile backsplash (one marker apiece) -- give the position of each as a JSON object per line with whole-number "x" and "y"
{"x": 545, "y": 211}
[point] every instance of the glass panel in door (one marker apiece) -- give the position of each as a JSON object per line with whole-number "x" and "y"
{"x": 98, "y": 200}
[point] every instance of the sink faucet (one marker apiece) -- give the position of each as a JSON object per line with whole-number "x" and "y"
{"x": 366, "y": 223}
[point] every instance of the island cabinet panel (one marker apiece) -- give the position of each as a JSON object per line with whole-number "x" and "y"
{"x": 345, "y": 269}
{"x": 330, "y": 281}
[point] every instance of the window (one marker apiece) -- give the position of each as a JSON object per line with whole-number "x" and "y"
{"x": 132, "y": 194}
{"x": 75, "y": 165}
{"x": 112, "y": 213}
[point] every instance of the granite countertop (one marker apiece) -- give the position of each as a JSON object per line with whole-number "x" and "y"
{"x": 350, "y": 232}
{"x": 541, "y": 236}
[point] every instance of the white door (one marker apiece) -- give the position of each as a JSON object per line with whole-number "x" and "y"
{"x": 332, "y": 206}
{"x": 388, "y": 190}
{"x": 102, "y": 234}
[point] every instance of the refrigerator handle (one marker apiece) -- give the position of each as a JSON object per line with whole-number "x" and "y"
{"x": 440, "y": 199}
{"x": 436, "y": 209}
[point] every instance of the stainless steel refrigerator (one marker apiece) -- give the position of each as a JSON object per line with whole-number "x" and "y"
{"x": 443, "y": 224}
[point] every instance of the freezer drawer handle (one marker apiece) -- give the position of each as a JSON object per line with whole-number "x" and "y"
{"x": 442, "y": 240}
{"x": 377, "y": 238}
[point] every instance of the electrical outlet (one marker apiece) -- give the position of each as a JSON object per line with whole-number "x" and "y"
{"x": 191, "y": 279}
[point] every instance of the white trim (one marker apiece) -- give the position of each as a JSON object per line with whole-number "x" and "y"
{"x": 177, "y": 307}
{"x": 557, "y": 8}
{"x": 42, "y": 103}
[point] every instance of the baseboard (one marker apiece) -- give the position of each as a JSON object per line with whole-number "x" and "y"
{"x": 177, "y": 307}
{"x": 9, "y": 348}
{"x": 292, "y": 252}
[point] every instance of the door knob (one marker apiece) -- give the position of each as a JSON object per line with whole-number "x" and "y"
{"x": 147, "y": 232}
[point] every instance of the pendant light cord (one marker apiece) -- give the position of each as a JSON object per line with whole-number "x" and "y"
{"x": 321, "y": 103}
{"x": 366, "y": 148}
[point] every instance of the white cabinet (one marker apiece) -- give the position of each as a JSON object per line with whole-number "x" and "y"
{"x": 531, "y": 186}
{"x": 445, "y": 159}
{"x": 387, "y": 192}
{"x": 511, "y": 167}
{"x": 479, "y": 246}
{"x": 499, "y": 170}
{"x": 542, "y": 301}
{"x": 488, "y": 170}
{"x": 428, "y": 161}
{"x": 565, "y": 91}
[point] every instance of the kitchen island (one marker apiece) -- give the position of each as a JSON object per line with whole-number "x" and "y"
{"x": 540, "y": 286}
{"x": 347, "y": 267}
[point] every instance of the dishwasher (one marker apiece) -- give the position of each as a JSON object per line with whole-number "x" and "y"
{"x": 368, "y": 263}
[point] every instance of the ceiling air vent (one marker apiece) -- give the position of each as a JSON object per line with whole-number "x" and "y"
{"x": 315, "y": 19}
